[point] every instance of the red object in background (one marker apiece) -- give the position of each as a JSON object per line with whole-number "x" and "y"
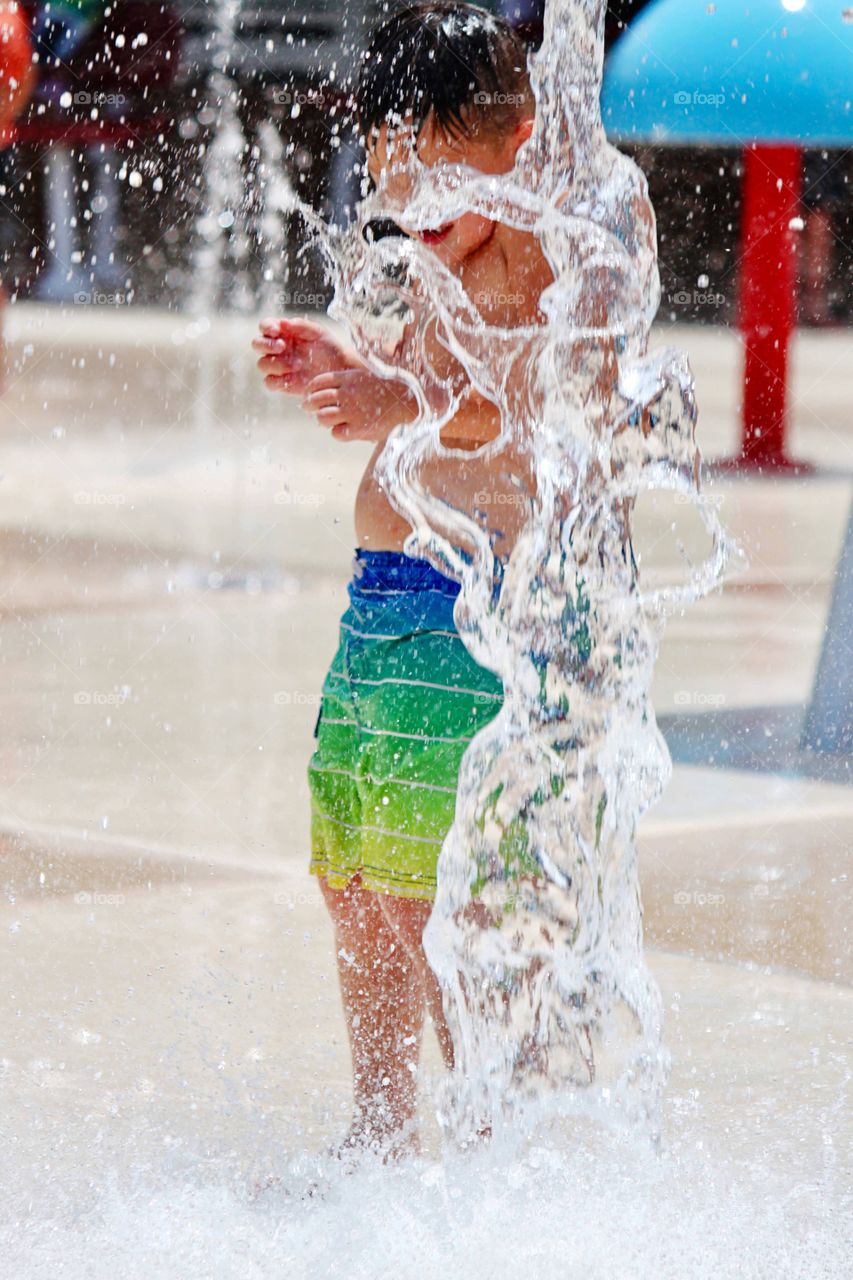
{"x": 768, "y": 299}
{"x": 134, "y": 50}
{"x": 17, "y": 81}
{"x": 17, "y": 70}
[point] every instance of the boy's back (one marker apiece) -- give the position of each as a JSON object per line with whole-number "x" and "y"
{"x": 504, "y": 272}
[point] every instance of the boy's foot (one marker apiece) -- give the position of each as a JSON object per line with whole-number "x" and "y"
{"x": 366, "y": 1139}
{"x": 361, "y": 1142}
{"x": 273, "y": 1184}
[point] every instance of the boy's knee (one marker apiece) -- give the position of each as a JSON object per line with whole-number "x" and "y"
{"x": 407, "y": 917}
{"x": 344, "y": 905}
{"x": 357, "y": 915}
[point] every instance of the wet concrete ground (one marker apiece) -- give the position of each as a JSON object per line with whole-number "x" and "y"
{"x": 174, "y": 547}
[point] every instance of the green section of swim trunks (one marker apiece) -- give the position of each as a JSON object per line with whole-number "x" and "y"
{"x": 398, "y": 713}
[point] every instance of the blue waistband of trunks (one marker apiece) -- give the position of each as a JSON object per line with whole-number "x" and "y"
{"x": 380, "y": 571}
{"x": 374, "y": 572}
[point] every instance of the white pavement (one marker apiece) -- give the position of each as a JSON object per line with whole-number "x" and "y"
{"x": 175, "y": 546}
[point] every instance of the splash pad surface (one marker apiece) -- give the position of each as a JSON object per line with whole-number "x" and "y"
{"x": 177, "y": 1031}
{"x": 188, "y": 1040}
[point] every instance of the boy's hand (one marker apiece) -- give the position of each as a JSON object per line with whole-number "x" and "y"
{"x": 358, "y": 405}
{"x": 295, "y": 351}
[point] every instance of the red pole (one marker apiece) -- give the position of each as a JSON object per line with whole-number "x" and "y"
{"x": 768, "y": 299}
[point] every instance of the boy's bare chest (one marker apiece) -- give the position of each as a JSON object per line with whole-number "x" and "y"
{"x": 505, "y": 281}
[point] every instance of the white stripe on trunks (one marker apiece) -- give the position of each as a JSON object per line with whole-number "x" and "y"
{"x": 390, "y": 733}
{"x": 397, "y": 782}
{"x": 426, "y": 631}
{"x": 419, "y": 684}
{"x": 360, "y": 826}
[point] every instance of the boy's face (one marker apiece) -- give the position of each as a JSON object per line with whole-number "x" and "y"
{"x": 485, "y": 150}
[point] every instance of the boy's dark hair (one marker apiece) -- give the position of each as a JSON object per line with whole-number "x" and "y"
{"x": 458, "y": 63}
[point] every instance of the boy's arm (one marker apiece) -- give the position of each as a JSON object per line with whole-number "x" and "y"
{"x": 358, "y": 405}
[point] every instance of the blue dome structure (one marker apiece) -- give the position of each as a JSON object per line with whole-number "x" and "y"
{"x": 733, "y": 72}
{"x": 768, "y": 77}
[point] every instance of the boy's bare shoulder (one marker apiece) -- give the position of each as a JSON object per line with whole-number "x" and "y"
{"x": 510, "y": 278}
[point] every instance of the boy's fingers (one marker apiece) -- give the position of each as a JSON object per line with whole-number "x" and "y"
{"x": 320, "y": 400}
{"x": 277, "y": 364}
{"x": 278, "y": 382}
{"x": 324, "y": 382}
{"x": 332, "y": 417}
{"x": 270, "y": 345}
{"x": 270, "y": 327}
{"x": 293, "y": 328}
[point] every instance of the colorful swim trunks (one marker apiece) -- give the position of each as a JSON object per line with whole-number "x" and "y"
{"x": 402, "y": 700}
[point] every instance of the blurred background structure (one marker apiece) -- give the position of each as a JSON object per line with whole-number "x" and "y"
{"x": 767, "y": 81}
{"x": 102, "y": 184}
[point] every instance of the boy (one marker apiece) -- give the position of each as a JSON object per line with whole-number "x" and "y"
{"x": 403, "y": 697}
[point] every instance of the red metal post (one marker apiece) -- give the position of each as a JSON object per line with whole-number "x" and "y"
{"x": 768, "y": 298}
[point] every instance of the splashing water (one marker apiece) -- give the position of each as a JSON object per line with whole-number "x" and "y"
{"x": 242, "y": 205}
{"x": 223, "y": 178}
{"x": 536, "y": 933}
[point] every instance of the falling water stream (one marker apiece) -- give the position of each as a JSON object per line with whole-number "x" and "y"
{"x": 536, "y": 933}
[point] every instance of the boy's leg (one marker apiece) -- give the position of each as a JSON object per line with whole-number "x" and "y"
{"x": 383, "y": 999}
{"x": 408, "y": 917}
